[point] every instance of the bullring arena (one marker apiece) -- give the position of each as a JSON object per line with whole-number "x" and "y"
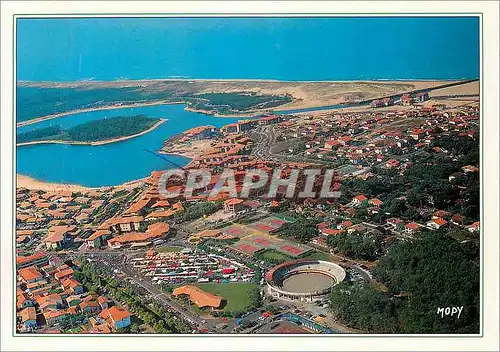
{"x": 303, "y": 279}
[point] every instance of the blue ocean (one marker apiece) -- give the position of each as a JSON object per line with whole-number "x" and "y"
{"x": 260, "y": 48}
{"x": 291, "y": 49}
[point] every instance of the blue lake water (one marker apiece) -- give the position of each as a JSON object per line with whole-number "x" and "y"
{"x": 114, "y": 163}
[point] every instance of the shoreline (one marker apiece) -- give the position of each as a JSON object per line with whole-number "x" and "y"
{"x": 300, "y": 101}
{"x": 256, "y": 113}
{"x": 78, "y": 111}
{"x": 24, "y": 181}
{"x": 133, "y": 105}
{"x": 27, "y": 83}
{"x": 96, "y": 143}
{"x": 186, "y": 155}
{"x": 191, "y": 151}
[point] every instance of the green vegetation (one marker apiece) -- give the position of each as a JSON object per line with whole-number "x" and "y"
{"x": 281, "y": 207}
{"x": 41, "y": 134}
{"x": 226, "y": 103}
{"x": 364, "y": 307}
{"x": 56, "y": 290}
{"x": 240, "y": 297}
{"x": 35, "y": 102}
{"x": 356, "y": 245}
{"x": 72, "y": 323}
{"x": 425, "y": 184}
{"x": 119, "y": 193}
{"x": 272, "y": 256}
{"x": 92, "y": 131}
{"x": 422, "y": 275}
{"x": 319, "y": 255}
{"x": 197, "y": 211}
{"x": 272, "y": 309}
{"x": 113, "y": 127}
{"x": 302, "y": 230}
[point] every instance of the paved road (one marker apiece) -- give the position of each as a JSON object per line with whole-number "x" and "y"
{"x": 154, "y": 290}
{"x": 265, "y": 139}
{"x": 161, "y": 296}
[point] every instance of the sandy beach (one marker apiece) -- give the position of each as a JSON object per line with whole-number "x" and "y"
{"x": 107, "y": 141}
{"x": 254, "y": 113}
{"x": 193, "y": 150}
{"x": 23, "y": 181}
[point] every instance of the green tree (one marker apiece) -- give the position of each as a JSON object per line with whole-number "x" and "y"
{"x": 364, "y": 307}
{"x": 356, "y": 245}
{"x": 303, "y": 229}
{"x": 432, "y": 271}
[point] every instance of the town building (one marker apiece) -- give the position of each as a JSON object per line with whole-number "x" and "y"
{"x": 36, "y": 259}
{"x": 406, "y": 99}
{"x": 412, "y": 228}
{"x": 30, "y": 275}
{"x": 359, "y": 199}
{"x": 437, "y": 223}
{"x": 233, "y": 205}
{"x": 58, "y": 236}
{"x": 270, "y": 120}
{"x": 199, "y": 297}
{"x": 116, "y": 317}
{"x": 28, "y": 318}
{"x": 421, "y": 97}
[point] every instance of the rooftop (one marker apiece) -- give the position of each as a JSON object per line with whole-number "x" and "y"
{"x": 199, "y": 297}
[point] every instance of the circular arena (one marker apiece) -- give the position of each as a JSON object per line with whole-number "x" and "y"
{"x": 303, "y": 279}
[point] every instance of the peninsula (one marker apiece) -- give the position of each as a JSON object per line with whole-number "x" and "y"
{"x": 98, "y": 132}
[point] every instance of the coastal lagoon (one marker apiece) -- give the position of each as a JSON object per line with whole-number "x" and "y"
{"x": 109, "y": 164}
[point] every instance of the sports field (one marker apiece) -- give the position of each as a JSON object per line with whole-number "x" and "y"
{"x": 237, "y": 295}
{"x": 320, "y": 255}
{"x": 252, "y": 243}
{"x": 274, "y": 256}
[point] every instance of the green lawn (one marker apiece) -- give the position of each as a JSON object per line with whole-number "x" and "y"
{"x": 275, "y": 257}
{"x": 319, "y": 255}
{"x": 236, "y": 295}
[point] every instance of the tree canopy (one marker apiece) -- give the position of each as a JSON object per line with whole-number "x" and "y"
{"x": 303, "y": 229}
{"x": 92, "y": 131}
{"x": 433, "y": 271}
{"x": 356, "y": 245}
